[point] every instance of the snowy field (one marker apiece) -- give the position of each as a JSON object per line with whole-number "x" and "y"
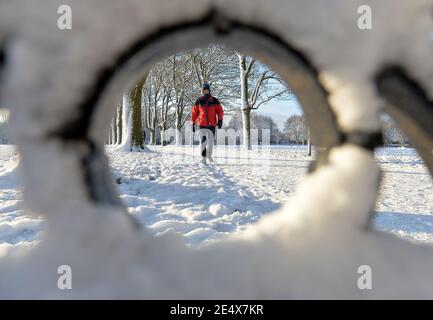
{"x": 168, "y": 190}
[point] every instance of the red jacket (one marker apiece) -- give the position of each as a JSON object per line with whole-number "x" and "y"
{"x": 205, "y": 113}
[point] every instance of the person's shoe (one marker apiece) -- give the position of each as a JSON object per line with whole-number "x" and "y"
{"x": 210, "y": 159}
{"x": 203, "y": 160}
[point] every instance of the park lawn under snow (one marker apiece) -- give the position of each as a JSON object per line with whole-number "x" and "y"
{"x": 167, "y": 189}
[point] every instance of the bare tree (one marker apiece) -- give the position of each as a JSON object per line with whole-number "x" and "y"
{"x": 182, "y": 80}
{"x": 260, "y": 123}
{"x": 152, "y": 93}
{"x": 217, "y": 66}
{"x": 258, "y": 85}
{"x": 166, "y": 114}
{"x": 295, "y": 129}
{"x": 113, "y": 130}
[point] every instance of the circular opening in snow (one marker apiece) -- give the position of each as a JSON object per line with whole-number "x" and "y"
{"x": 189, "y": 196}
{"x": 160, "y": 175}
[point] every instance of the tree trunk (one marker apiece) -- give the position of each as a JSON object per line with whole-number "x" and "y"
{"x": 154, "y": 128}
{"x": 126, "y": 121}
{"x": 113, "y": 131}
{"x": 179, "y": 135}
{"x": 246, "y": 111}
{"x": 152, "y": 138}
{"x": 137, "y": 140}
{"x": 308, "y": 143}
{"x": 162, "y": 135}
{"x": 119, "y": 125}
{"x": 246, "y": 128}
{"x": 132, "y": 121}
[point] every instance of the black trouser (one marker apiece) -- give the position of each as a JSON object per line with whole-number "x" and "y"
{"x": 207, "y": 134}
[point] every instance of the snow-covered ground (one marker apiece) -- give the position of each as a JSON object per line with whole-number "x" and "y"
{"x": 405, "y": 201}
{"x": 168, "y": 190}
{"x": 15, "y": 227}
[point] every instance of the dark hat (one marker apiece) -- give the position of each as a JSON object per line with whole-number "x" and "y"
{"x": 206, "y": 86}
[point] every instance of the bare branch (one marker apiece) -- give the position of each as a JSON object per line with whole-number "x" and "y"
{"x": 270, "y": 98}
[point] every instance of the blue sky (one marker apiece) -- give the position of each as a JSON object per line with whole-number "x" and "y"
{"x": 279, "y": 111}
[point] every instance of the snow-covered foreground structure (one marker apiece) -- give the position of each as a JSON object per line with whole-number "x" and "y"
{"x": 167, "y": 191}
{"x": 60, "y": 87}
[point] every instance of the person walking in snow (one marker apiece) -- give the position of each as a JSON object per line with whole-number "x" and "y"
{"x": 207, "y": 113}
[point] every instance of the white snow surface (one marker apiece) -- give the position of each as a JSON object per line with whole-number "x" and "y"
{"x": 168, "y": 190}
{"x": 284, "y": 254}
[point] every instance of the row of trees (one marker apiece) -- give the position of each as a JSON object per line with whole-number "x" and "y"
{"x": 163, "y": 97}
{"x": 295, "y": 129}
